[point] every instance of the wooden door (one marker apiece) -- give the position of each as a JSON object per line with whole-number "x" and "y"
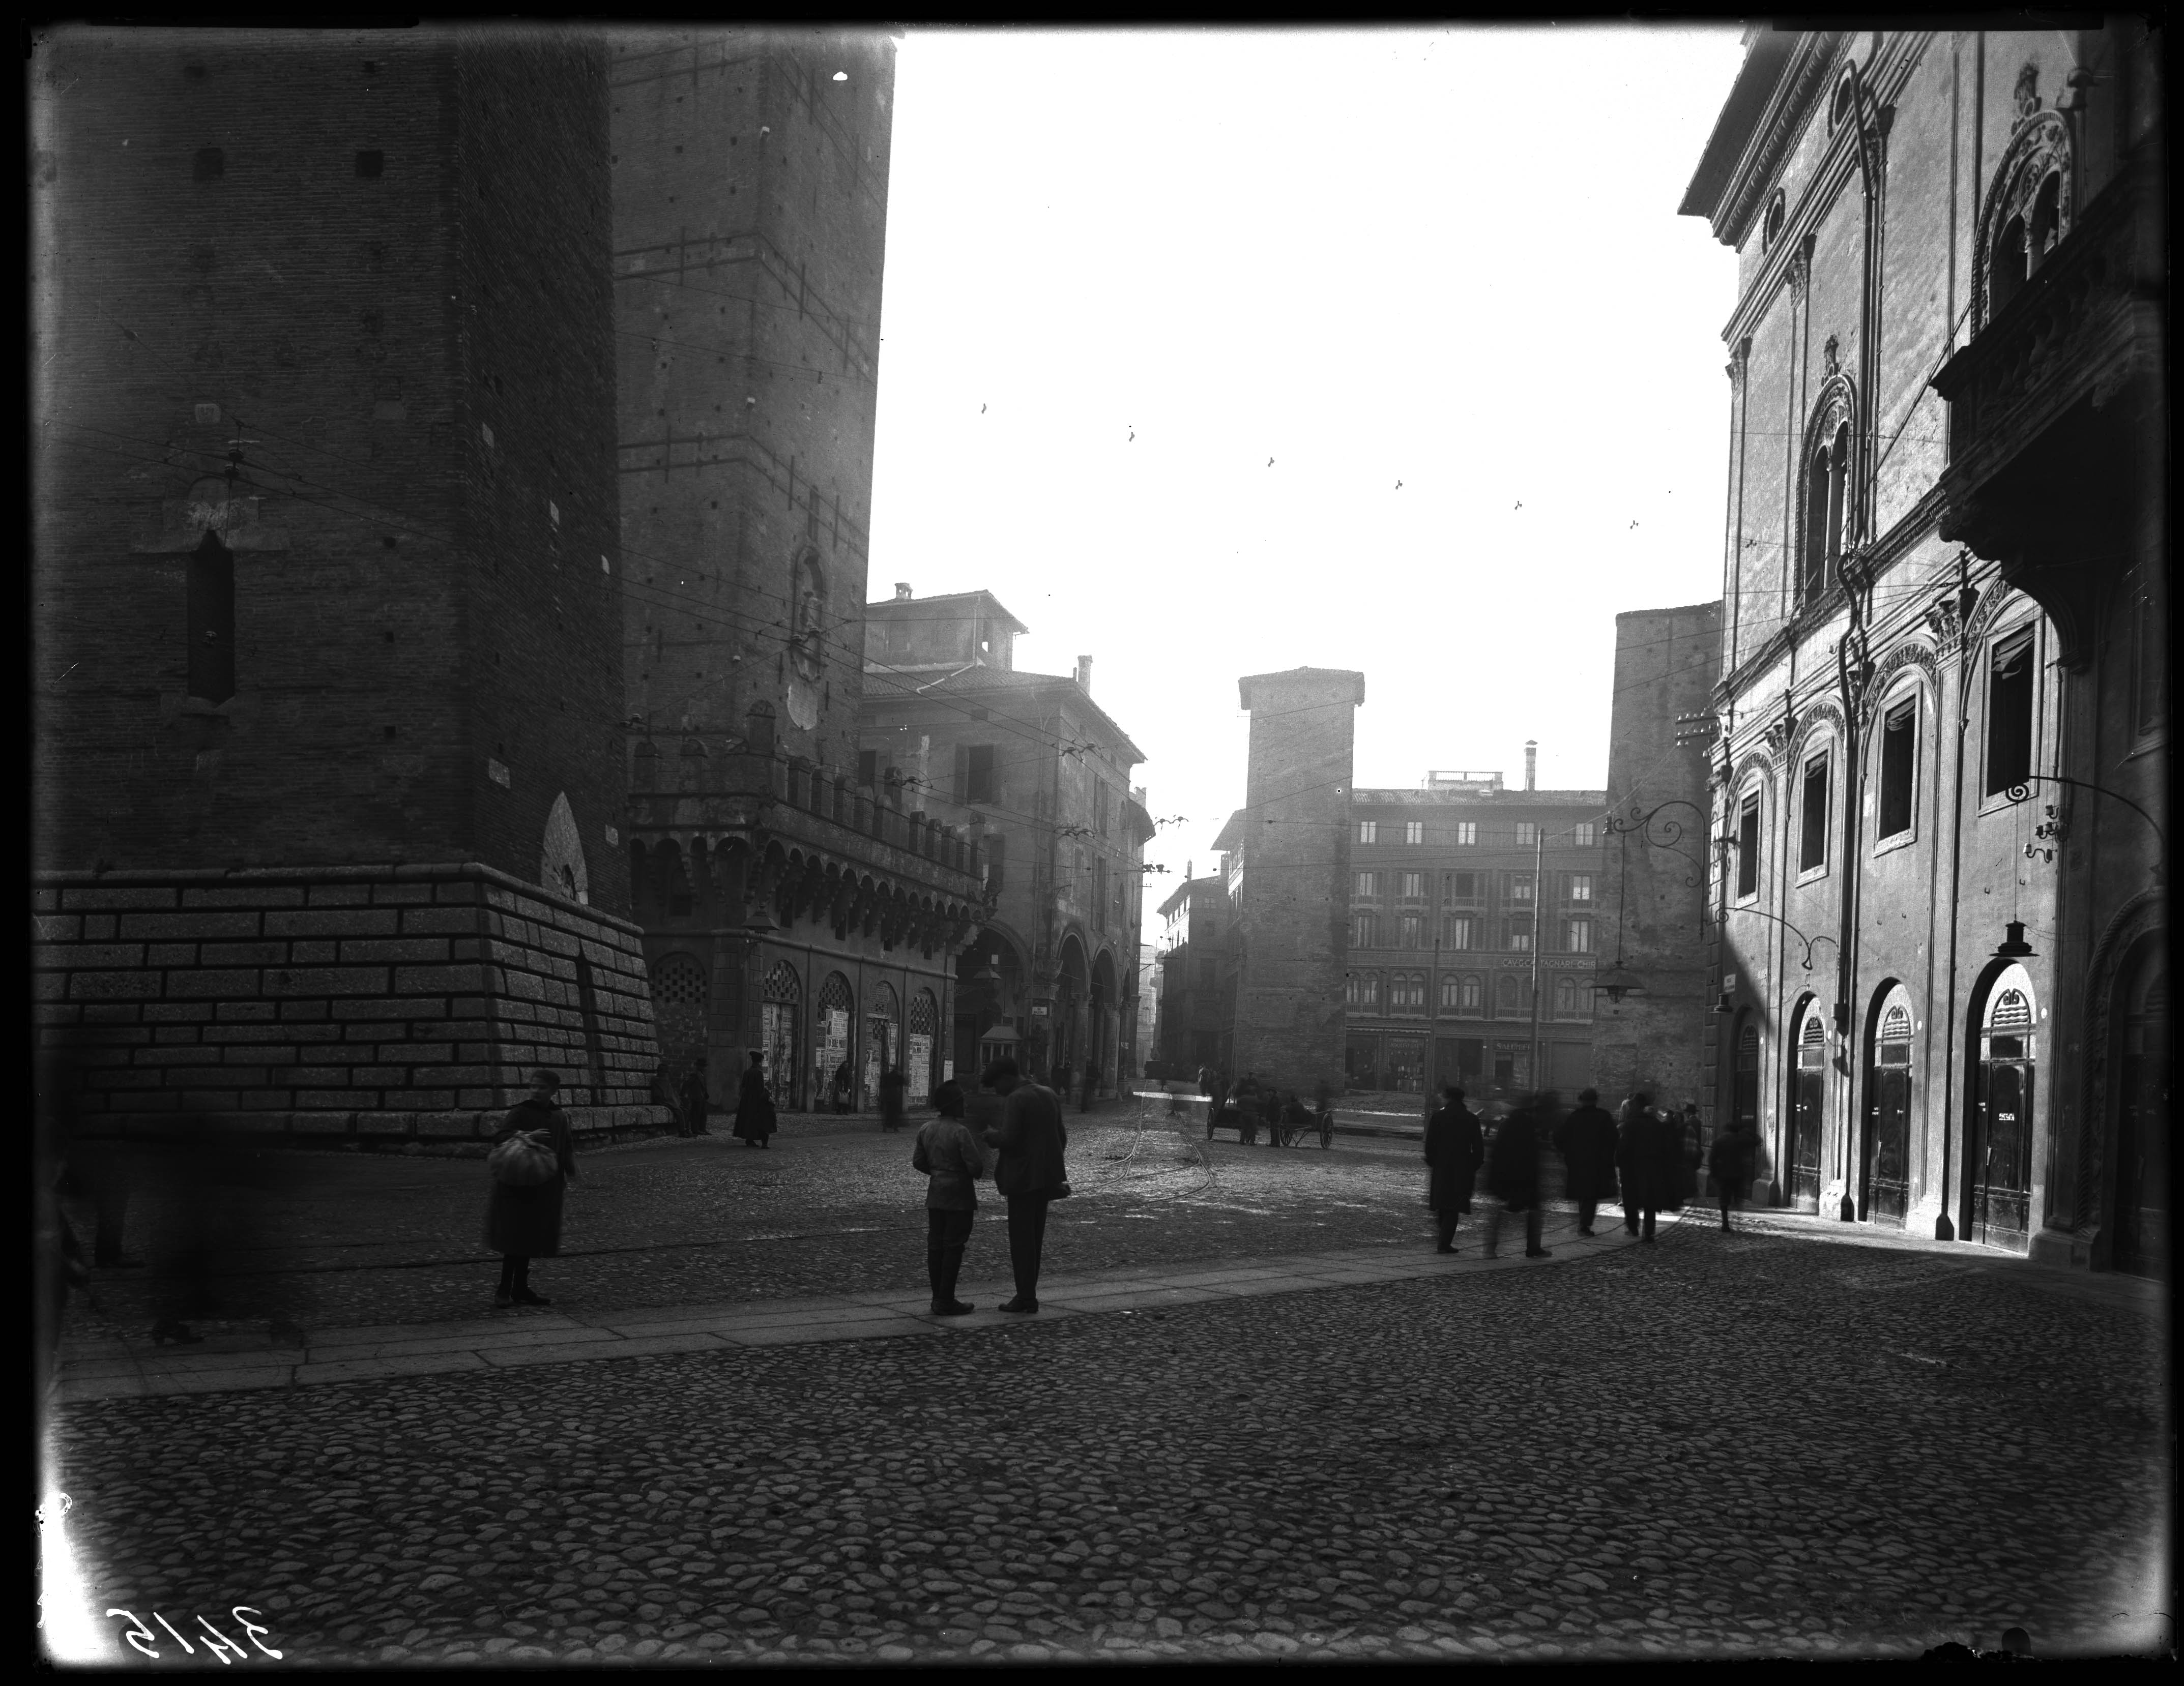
{"x": 2001, "y": 1155}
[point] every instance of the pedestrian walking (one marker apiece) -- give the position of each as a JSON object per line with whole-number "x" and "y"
{"x": 1585, "y": 1139}
{"x": 1029, "y": 1173}
{"x": 1512, "y": 1178}
{"x": 663, "y": 1094}
{"x": 696, "y": 1099}
{"x": 953, "y": 1162}
{"x": 1455, "y": 1148}
{"x": 755, "y": 1120}
{"x": 891, "y": 1085}
{"x": 1731, "y": 1160}
{"x": 523, "y": 1218}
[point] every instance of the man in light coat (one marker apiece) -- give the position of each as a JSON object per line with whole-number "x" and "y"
{"x": 1029, "y": 1173}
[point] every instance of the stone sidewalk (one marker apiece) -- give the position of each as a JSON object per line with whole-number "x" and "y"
{"x": 136, "y": 1369}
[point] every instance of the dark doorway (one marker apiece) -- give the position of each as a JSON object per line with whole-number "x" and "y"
{"x": 1888, "y": 1122}
{"x": 2142, "y": 1120}
{"x": 1999, "y": 1155}
{"x": 1809, "y": 1085}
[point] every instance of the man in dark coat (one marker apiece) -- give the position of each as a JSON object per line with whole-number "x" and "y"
{"x": 1216, "y": 1097}
{"x": 1731, "y": 1160}
{"x": 1512, "y": 1178}
{"x": 754, "y": 1115}
{"x": 696, "y": 1098}
{"x": 891, "y": 1085}
{"x": 1029, "y": 1172}
{"x": 1586, "y": 1141}
{"x": 842, "y": 1087}
{"x": 523, "y": 1224}
{"x": 1639, "y": 1140}
{"x": 1455, "y": 1150}
{"x": 953, "y": 1161}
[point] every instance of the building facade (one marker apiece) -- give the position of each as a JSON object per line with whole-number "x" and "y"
{"x": 1474, "y": 929}
{"x": 1037, "y": 774}
{"x": 329, "y": 781}
{"x": 1944, "y": 702}
{"x": 787, "y": 905}
{"x": 1658, "y": 938}
{"x": 1285, "y": 868}
{"x": 1196, "y": 924}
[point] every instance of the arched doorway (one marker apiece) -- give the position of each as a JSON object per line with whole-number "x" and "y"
{"x": 1100, "y": 1022}
{"x": 883, "y": 1042}
{"x": 831, "y": 1044}
{"x": 1809, "y": 1095}
{"x": 678, "y": 1013}
{"x": 1998, "y": 1156}
{"x": 1066, "y": 1028}
{"x": 1886, "y": 1185}
{"x": 2143, "y": 1118}
{"x": 989, "y": 977}
{"x": 779, "y": 1014}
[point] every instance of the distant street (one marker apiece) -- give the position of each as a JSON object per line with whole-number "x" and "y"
{"x": 1781, "y": 1443}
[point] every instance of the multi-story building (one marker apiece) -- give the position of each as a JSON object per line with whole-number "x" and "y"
{"x": 329, "y": 786}
{"x": 1197, "y": 922}
{"x": 787, "y": 904}
{"x": 1034, "y": 771}
{"x": 1944, "y": 702}
{"x": 1474, "y": 930}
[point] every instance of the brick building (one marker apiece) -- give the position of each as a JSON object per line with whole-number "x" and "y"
{"x": 1657, "y": 935}
{"x": 1034, "y": 771}
{"x": 1285, "y": 867}
{"x": 1944, "y": 700}
{"x": 1195, "y": 1008}
{"x": 787, "y": 904}
{"x": 326, "y": 557}
{"x": 1465, "y": 897}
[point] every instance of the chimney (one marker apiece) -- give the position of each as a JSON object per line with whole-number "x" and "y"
{"x": 902, "y": 591}
{"x": 1084, "y": 674}
{"x": 1531, "y": 763}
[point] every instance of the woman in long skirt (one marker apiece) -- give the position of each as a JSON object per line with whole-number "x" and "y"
{"x": 523, "y": 1224}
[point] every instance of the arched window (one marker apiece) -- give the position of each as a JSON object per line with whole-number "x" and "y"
{"x": 1771, "y": 231}
{"x": 1566, "y": 998}
{"x": 1839, "y": 112}
{"x": 2027, "y": 213}
{"x": 1508, "y": 994}
{"x": 780, "y": 1013}
{"x": 1827, "y": 501}
{"x": 1474, "y": 996}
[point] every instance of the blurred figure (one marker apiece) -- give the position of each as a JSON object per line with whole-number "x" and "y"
{"x": 1490, "y": 1116}
{"x": 663, "y": 1094}
{"x": 1512, "y": 1178}
{"x": 1731, "y": 1160}
{"x": 525, "y": 1223}
{"x": 953, "y": 1162}
{"x": 1216, "y": 1098}
{"x": 1029, "y": 1173}
{"x": 1295, "y": 1120}
{"x": 1270, "y": 1114}
{"x": 756, "y": 1118}
{"x": 1455, "y": 1150}
{"x": 841, "y": 1088}
{"x": 1688, "y": 1152}
{"x": 1064, "y": 1075}
{"x": 1585, "y": 1139}
{"x": 696, "y": 1098}
{"x": 891, "y": 1085}
{"x": 1089, "y": 1083}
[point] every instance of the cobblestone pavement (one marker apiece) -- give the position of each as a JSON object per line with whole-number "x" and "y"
{"x": 1716, "y": 1446}
{"x": 833, "y": 1207}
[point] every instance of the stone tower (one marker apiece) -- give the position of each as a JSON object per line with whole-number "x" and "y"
{"x": 1289, "y": 873}
{"x": 330, "y": 793}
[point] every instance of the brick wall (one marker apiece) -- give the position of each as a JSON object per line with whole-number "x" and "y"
{"x": 362, "y": 1003}
{"x": 285, "y": 284}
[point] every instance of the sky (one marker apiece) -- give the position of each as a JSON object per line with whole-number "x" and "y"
{"x": 1213, "y": 354}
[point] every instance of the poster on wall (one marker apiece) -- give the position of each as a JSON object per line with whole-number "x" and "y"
{"x": 918, "y": 1067}
{"x": 834, "y": 1049}
{"x": 779, "y": 1042}
{"x": 878, "y": 1034}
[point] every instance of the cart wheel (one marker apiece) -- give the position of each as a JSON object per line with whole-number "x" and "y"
{"x": 1326, "y": 1131}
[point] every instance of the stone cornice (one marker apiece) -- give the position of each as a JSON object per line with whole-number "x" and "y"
{"x": 1776, "y": 134}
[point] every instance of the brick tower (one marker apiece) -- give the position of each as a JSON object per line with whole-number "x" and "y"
{"x": 330, "y": 783}
{"x": 1289, "y": 873}
{"x": 792, "y": 900}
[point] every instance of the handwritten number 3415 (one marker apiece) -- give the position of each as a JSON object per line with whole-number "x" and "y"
{"x": 219, "y": 1644}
